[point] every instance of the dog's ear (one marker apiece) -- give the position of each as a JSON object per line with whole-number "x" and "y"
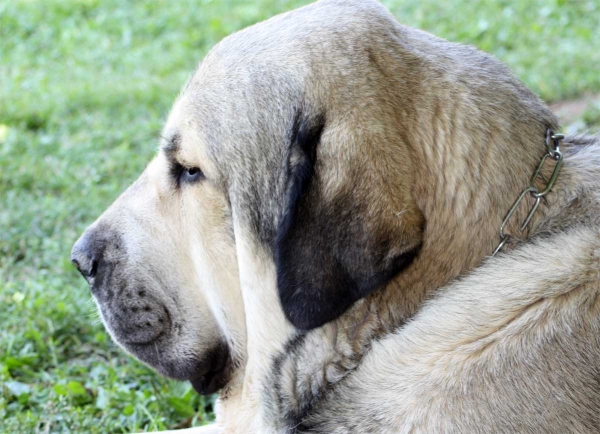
{"x": 330, "y": 252}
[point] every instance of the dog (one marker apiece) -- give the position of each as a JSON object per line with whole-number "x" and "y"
{"x": 314, "y": 237}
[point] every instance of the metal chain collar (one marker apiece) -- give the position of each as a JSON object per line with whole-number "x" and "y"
{"x": 553, "y": 148}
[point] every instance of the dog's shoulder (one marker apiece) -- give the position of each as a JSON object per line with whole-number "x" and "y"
{"x": 490, "y": 352}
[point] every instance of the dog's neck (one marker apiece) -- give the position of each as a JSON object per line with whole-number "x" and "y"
{"x": 302, "y": 376}
{"x": 344, "y": 342}
{"x": 478, "y": 173}
{"x": 465, "y": 181}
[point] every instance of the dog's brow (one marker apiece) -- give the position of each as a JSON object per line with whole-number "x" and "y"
{"x": 170, "y": 144}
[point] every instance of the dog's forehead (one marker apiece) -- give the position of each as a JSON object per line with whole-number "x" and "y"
{"x": 328, "y": 27}
{"x": 248, "y": 87}
{"x": 327, "y": 38}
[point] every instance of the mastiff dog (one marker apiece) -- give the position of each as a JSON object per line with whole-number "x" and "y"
{"x": 353, "y": 226}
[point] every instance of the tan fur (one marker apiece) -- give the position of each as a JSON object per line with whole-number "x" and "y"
{"x": 425, "y": 143}
{"x": 513, "y": 347}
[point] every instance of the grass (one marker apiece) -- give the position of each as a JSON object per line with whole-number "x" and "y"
{"x": 84, "y": 88}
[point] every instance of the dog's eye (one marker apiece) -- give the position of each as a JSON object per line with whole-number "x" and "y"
{"x": 185, "y": 175}
{"x": 191, "y": 174}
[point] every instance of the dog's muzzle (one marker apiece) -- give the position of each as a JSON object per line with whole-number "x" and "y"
{"x": 138, "y": 318}
{"x": 135, "y": 317}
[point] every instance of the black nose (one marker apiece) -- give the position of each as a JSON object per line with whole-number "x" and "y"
{"x": 86, "y": 255}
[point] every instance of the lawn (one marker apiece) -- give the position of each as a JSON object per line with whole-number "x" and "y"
{"x": 84, "y": 88}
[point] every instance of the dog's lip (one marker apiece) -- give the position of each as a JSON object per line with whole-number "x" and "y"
{"x": 149, "y": 343}
{"x": 213, "y": 380}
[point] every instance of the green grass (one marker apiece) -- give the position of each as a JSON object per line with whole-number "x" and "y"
{"x": 84, "y": 88}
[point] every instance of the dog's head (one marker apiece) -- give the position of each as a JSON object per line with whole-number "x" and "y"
{"x": 294, "y": 159}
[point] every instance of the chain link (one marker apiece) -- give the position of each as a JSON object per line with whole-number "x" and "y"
{"x": 553, "y": 148}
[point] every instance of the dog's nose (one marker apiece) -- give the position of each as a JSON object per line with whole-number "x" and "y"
{"x": 85, "y": 256}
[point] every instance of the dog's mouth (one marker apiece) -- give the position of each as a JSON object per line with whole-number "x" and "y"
{"x": 217, "y": 375}
{"x": 208, "y": 372}
{"x": 207, "y": 375}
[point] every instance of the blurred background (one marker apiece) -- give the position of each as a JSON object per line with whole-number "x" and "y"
{"x": 84, "y": 88}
